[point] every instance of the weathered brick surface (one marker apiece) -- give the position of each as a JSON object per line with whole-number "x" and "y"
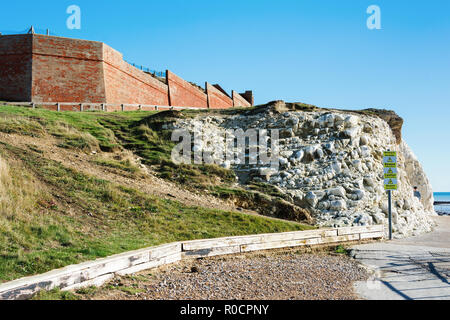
{"x": 182, "y": 93}
{"x": 15, "y": 67}
{"x": 42, "y": 68}
{"x": 127, "y": 84}
{"x": 239, "y": 101}
{"x": 67, "y": 70}
{"x": 217, "y": 99}
{"x": 248, "y": 95}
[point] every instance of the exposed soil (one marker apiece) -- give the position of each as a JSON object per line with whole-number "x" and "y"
{"x": 145, "y": 180}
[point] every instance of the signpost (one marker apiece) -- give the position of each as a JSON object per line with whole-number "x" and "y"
{"x": 390, "y": 180}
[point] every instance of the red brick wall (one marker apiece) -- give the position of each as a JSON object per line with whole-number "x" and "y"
{"x": 127, "y": 84}
{"x": 182, "y": 93}
{"x": 67, "y": 70}
{"x": 239, "y": 101}
{"x": 248, "y": 95}
{"x": 15, "y": 68}
{"x": 217, "y": 99}
{"x": 53, "y": 69}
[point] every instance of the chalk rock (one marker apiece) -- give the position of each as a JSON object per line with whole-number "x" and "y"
{"x": 338, "y": 205}
{"x": 338, "y": 191}
{"x": 311, "y": 199}
{"x": 331, "y": 162}
{"x": 351, "y": 121}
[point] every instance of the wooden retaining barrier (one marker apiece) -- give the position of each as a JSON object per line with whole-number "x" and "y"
{"x": 97, "y": 272}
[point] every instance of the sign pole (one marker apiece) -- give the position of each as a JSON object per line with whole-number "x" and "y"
{"x": 390, "y": 181}
{"x": 390, "y": 213}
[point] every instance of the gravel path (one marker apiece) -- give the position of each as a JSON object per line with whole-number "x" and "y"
{"x": 266, "y": 276}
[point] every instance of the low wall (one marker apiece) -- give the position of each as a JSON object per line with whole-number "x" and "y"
{"x": 217, "y": 99}
{"x": 95, "y": 273}
{"x": 239, "y": 101}
{"x": 127, "y": 84}
{"x": 182, "y": 93}
{"x": 66, "y": 70}
{"x": 43, "y": 68}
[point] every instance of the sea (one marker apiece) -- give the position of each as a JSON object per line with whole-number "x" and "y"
{"x": 442, "y": 209}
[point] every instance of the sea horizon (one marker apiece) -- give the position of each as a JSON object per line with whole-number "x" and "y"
{"x": 442, "y": 196}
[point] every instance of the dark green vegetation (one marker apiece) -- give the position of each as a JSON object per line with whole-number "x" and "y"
{"x": 55, "y": 294}
{"x": 52, "y": 216}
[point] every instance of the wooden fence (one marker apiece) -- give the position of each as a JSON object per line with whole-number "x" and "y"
{"x": 88, "y": 106}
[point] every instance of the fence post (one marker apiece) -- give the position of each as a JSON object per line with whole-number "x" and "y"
{"x": 123, "y": 107}
{"x": 103, "y": 107}
{"x": 33, "y": 105}
{"x": 156, "y": 108}
{"x": 58, "y": 107}
{"x": 81, "y": 107}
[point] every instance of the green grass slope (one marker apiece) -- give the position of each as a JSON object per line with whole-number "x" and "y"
{"x": 52, "y": 216}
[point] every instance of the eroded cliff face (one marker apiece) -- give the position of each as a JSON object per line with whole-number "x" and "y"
{"x": 331, "y": 163}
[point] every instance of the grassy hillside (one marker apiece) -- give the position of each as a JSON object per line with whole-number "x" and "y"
{"x": 53, "y": 214}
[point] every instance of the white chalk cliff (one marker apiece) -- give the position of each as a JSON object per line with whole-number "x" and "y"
{"x": 331, "y": 164}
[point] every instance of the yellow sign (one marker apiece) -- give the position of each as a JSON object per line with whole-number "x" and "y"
{"x": 390, "y": 173}
{"x": 390, "y": 184}
{"x": 390, "y": 154}
{"x": 390, "y": 159}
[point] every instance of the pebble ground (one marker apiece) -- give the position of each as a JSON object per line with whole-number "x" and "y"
{"x": 287, "y": 275}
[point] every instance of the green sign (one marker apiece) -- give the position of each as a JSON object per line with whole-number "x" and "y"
{"x": 390, "y": 162}
{"x": 390, "y": 154}
{"x": 390, "y": 184}
{"x": 390, "y": 170}
{"x": 390, "y": 173}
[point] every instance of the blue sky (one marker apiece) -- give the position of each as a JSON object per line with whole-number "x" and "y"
{"x": 319, "y": 52}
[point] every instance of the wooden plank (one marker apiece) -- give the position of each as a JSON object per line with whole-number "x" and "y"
{"x": 89, "y": 283}
{"x": 343, "y": 238}
{"x": 125, "y": 261}
{"x": 113, "y": 265}
{"x": 219, "y": 242}
{"x": 164, "y": 250}
{"x": 362, "y": 229}
{"x": 152, "y": 264}
{"x": 25, "y": 291}
{"x": 371, "y": 235}
{"x": 194, "y": 254}
{"x": 299, "y": 235}
{"x": 260, "y": 238}
{"x": 278, "y": 244}
{"x": 46, "y": 281}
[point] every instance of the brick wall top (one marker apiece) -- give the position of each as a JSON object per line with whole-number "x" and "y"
{"x": 69, "y": 48}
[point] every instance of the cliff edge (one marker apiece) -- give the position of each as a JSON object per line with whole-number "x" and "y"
{"x": 330, "y": 163}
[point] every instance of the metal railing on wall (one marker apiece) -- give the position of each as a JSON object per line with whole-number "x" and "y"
{"x": 31, "y": 30}
{"x": 160, "y": 74}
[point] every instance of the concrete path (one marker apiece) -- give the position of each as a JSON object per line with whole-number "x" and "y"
{"x": 416, "y": 268}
